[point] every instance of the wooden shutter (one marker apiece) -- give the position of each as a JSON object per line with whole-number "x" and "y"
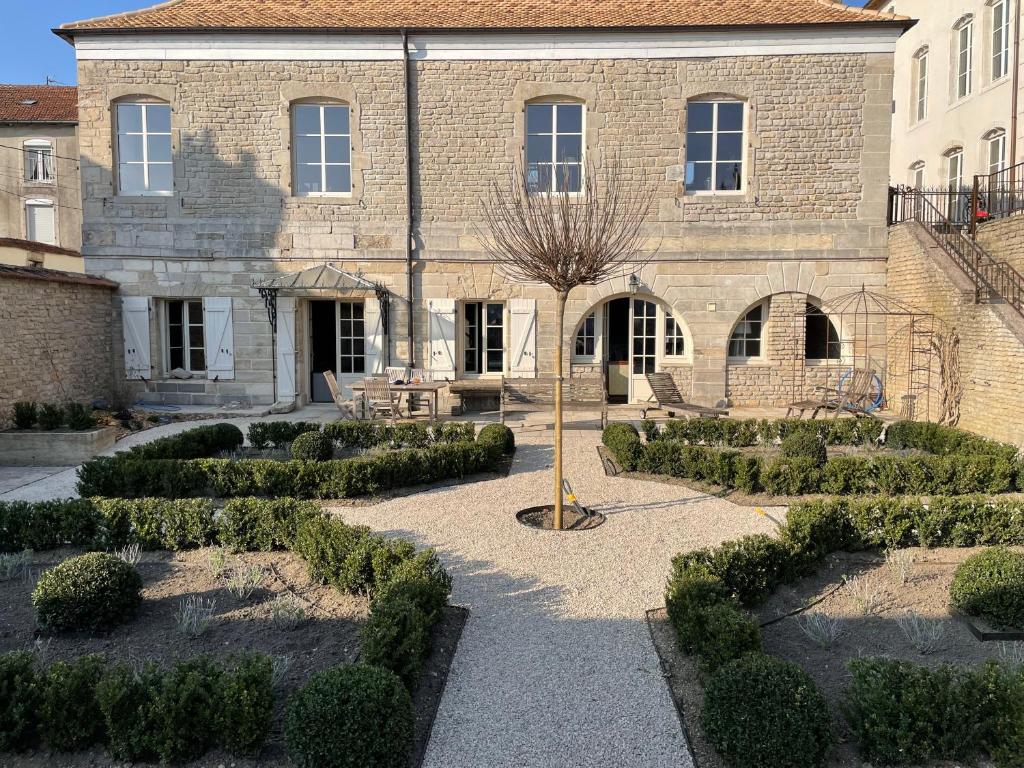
{"x": 220, "y": 341}
{"x": 135, "y": 321}
{"x": 286, "y": 350}
{"x": 374, "y": 331}
{"x": 523, "y": 313}
{"x": 441, "y": 314}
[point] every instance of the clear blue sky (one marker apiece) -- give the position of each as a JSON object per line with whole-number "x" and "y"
{"x": 30, "y": 52}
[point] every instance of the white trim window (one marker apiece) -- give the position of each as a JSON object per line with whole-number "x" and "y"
{"x": 675, "y": 341}
{"x": 917, "y": 174}
{"x": 186, "y": 339}
{"x": 483, "y": 337}
{"x": 145, "y": 162}
{"x": 1000, "y": 39}
{"x": 715, "y": 146}
{"x": 39, "y": 168}
{"x": 995, "y": 151}
{"x": 964, "y": 57}
{"x": 586, "y": 337}
{"x": 955, "y": 168}
{"x": 352, "y": 337}
{"x": 554, "y": 147}
{"x": 40, "y": 221}
{"x": 322, "y": 141}
{"x": 921, "y": 96}
{"x": 745, "y": 340}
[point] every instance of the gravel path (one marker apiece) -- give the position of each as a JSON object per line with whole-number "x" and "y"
{"x": 555, "y": 667}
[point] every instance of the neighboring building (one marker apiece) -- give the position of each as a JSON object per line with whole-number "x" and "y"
{"x": 954, "y": 91}
{"x": 300, "y": 147}
{"x": 40, "y": 187}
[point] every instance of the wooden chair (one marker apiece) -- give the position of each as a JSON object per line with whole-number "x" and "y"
{"x": 418, "y": 402}
{"x": 854, "y": 395}
{"x": 380, "y": 399}
{"x": 395, "y": 373}
{"x": 347, "y": 407}
{"x": 667, "y": 397}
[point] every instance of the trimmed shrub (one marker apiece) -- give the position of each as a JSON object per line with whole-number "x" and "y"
{"x": 759, "y": 711}
{"x": 185, "y": 710}
{"x": 50, "y": 416}
{"x": 278, "y": 434}
{"x": 313, "y": 446}
{"x": 422, "y": 575}
{"x": 791, "y": 476}
{"x": 155, "y": 523}
{"x": 24, "y": 414}
{"x": 326, "y": 544}
{"x": 246, "y": 706}
{"x": 816, "y": 529}
{"x": 991, "y": 584}
{"x": 943, "y": 441}
{"x": 354, "y": 716}
{"x": 691, "y": 591}
{"x": 20, "y": 697}
{"x": 195, "y": 443}
{"x": 396, "y": 635}
{"x": 622, "y": 439}
{"x": 127, "y": 699}
{"x": 749, "y": 567}
{"x": 69, "y": 715}
{"x": 89, "y": 592}
{"x": 79, "y": 416}
{"x": 804, "y": 445}
{"x": 728, "y": 634}
{"x": 499, "y": 435}
{"x": 903, "y": 713}
{"x": 263, "y": 525}
{"x": 45, "y": 525}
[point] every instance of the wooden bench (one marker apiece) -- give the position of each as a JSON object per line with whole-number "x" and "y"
{"x": 853, "y": 394}
{"x": 666, "y": 395}
{"x": 584, "y": 393}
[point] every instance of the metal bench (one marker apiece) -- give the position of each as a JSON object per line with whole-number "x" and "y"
{"x": 583, "y": 393}
{"x": 666, "y": 395}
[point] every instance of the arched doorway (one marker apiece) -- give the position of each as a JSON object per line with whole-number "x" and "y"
{"x": 627, "y": 337}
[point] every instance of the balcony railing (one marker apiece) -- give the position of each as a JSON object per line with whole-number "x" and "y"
{"x": 997, "y": 195}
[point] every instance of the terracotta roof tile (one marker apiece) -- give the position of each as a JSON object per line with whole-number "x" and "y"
{"x": 476, "y": 14}
{"x": 38, "y": 104}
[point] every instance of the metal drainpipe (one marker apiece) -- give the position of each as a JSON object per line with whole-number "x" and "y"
{"x": 1015, "y": 96}
{"x": 408, "y": 196}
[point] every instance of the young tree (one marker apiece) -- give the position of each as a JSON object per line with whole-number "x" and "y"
{"x": 565, "y": 239}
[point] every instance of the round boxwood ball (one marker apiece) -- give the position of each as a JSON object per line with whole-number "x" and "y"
{"x": 313, "y": 446}
{"x": 352, "y": 716}
{"x": 759, "y": 711}
{"x": 500, "y": 435}
{"x": 991, "y": 584}
{"x": 92, "y": 591}
{"x": 803, "y": 444}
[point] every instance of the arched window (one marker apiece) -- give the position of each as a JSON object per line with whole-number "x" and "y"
{"x": 995, "y": 150}
{"x": 963, "y": 52}
{"x": 715, "y": 141}
{"x": 917, "y": 174}
{"x": 586, "y": 337}
{"x": 322, "y": 149}
{"x": 955, "y": 167}
{"x": 921, "y": 84}
{"x": 1000, "y": 15}
{"x": 554, "y": 146}
{"x": 821, "y": 339}
{"x": 746, "y": 336}
{"x": 144, "y": 159}
{"x": 39, "y": 161}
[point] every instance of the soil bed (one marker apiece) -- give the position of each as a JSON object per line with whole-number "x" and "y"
{"x": 328, "y": 636}
{"x": 875, "y": 633}
{"x": 543, "y": 518}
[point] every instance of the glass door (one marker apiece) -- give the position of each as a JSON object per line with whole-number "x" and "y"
{"x": 644, "y": 326}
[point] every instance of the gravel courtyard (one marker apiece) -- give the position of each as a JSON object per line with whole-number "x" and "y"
{"x": 555, "y": 667}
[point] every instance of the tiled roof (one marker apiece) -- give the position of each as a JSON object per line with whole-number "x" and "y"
{"x": 38, "y": 104}
{"x": 476, "y": 14}
{"x": 54, "y": 276}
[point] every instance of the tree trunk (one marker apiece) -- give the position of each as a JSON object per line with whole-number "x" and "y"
{"x": 559, "y": 319}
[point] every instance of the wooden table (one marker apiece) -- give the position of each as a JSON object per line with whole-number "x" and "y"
{"x": 432, "y": 388}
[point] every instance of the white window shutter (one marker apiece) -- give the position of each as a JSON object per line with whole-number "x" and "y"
{"x": 524, "y": 338}
{"x": 442, "y": 337}
{"x": 135, "y": 321}
{"x": 286, "y": 350}
{"x": 220, "y": 340}
{"x": 41, "y": 224}
{"x": 374, "y": 329}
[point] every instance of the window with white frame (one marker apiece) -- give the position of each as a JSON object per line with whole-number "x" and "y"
{"x": 40, "y": 222}
{"x": 714, "y": 146}
{"x": 39, "y": 161}
{"x": 921, "y": 94}
{"x": 995, "y": 150}
{"x": 144, "y": 158}
{"x": 186, "y": 345}
{"x": 322, "y": 142}
{"x": 483, "y": 337}
{"x": 352, "y": 337}
{"x": 675, "y": 343}
{"x": 964, "y": 36}
{"x": 586, "y": 337}
{"x": 554, "y": 147}
{"x": 917, "y": 174}
{"x": 821, "y": 339}
{"x": 745, "y": 341}
{"x": 955, "y": 168}
{"x": 1000, "y": 38}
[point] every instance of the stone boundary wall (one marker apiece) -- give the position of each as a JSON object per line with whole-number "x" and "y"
{"x": 56, "y": 339}
{"x": 1004, "y": 239}
{"x": 991, "y": 335}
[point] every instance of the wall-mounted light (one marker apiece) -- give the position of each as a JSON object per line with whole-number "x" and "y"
{"x": 634, "y": 284}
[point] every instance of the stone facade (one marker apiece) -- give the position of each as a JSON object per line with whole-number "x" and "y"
{"x": 991, "y": 336}
{"x": 1004, "y": 239}
{"x": 810, "y": 221}
{"x": 56, "y": 339}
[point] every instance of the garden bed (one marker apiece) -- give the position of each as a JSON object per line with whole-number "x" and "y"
{"x": 327, "y": 636}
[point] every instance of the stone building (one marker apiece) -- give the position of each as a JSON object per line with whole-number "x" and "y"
{"x": 336, "y": 155}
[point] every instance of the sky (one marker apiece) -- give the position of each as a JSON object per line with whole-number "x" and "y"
{"x": 30, "y": 52}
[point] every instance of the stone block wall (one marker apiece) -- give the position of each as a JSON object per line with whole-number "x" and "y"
{"x": 55, "y": 339}
{"x": 1004, "y": 239}
{"x": 991, "y": 336}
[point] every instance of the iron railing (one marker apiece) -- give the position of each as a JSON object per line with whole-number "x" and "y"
{"x": 953, "y": 202}
{"x": 997, "y": 195}
{"x": 993, "y": 280}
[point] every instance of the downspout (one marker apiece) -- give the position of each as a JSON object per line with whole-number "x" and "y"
{"x": 1015, "y": 96}
{"x": 408, "y": 196}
